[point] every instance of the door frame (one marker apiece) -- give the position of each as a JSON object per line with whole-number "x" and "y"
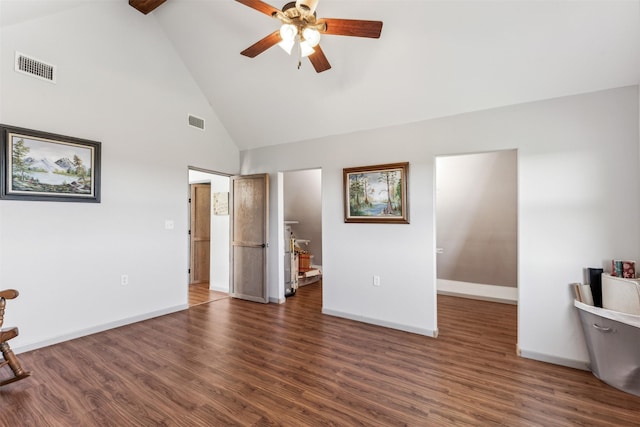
{"x": 278, "y": 188}
{"x": 435, "y": 236}
{"x": 494, "y": 293}
{"x": 222, "y": 262}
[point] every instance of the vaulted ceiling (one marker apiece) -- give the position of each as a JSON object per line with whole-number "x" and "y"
{"x": 433, "y": 59}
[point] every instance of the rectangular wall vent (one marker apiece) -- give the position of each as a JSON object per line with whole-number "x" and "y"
{"x": 34, "y": 67}
{"x": 196, "y": 122}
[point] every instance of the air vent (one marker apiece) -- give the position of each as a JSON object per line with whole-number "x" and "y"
{"x": 196, "y": 122}
{"x": 36, "y": 68}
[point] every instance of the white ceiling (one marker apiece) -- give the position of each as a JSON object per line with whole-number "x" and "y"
{"x": 434, "y": 59}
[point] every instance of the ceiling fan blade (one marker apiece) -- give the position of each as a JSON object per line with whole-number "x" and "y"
{"x": 318, "y": 60}
{"x": 262, "y": 45}
{"x": 260, "y": 6}
{"x": 352, "y": 27}
{"x": 146, "y": 6}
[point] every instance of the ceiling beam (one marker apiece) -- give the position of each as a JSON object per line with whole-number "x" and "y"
{"x": 145, "y": 6}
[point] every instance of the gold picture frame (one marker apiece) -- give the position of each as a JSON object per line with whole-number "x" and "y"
{"x": 376, "y": 194}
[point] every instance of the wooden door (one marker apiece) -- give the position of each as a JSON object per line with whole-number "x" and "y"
{"x": 249, "y": 210}
{"x": 200, "y": 233}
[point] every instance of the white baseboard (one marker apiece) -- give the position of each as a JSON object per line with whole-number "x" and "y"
{"x": 478, "y": 297}
{"x": 503, "y": 294}
{"x": 570, "y": 363}
{"x": 308, "y": 281}
{"x": 99, "y": 328}
{"x": 275, "y": 300}
{"x": 384, "y": 323}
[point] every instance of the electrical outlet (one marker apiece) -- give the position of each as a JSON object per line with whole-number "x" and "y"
{"x": 376, "y": 280}
{"x": 124, "y": 279}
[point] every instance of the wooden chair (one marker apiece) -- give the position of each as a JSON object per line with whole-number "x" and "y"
{"x": 5, "y": 335}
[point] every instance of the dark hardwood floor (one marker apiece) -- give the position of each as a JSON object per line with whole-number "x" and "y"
{"x": 232, "y": 362}
{"x": 199, "y": 293}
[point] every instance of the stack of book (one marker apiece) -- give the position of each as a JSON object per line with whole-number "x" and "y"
{"x": 625, "y": 269}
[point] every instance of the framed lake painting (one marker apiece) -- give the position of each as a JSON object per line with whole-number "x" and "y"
{"x": 43, "y": 166}
{"x": 376, "y": 194}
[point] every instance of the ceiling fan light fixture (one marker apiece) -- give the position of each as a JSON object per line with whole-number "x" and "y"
{"x": 311, "y": 36}
{"x": 305, "y": 49}
{"x": 287, "y": 45}
{"x": 288, "y": 32}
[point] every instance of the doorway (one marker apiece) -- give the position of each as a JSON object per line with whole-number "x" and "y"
{"x": 208, "y": 236}
{"x": 302, "y": 221}
{"x": 476, "y": 226}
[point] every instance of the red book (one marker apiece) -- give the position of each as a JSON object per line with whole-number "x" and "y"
{"x": 629, "y": 269}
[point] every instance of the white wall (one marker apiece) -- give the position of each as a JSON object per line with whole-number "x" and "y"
{"x": 579, "y": 203}
{"x": 220, "y": 244}
{"x": 121, "y": 83}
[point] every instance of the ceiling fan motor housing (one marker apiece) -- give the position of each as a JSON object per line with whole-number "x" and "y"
{"x": 299, "y": 17}
{"x": 309, "y": 5}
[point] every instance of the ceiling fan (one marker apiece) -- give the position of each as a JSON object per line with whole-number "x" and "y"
{"x": 301, "y": 28}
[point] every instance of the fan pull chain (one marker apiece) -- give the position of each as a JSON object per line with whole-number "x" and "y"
{"x": 299, "y": 55}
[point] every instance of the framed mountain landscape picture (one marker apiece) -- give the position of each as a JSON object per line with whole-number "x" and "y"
{"x": 376, "y": 194}
{"x": 43, "y": 166}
